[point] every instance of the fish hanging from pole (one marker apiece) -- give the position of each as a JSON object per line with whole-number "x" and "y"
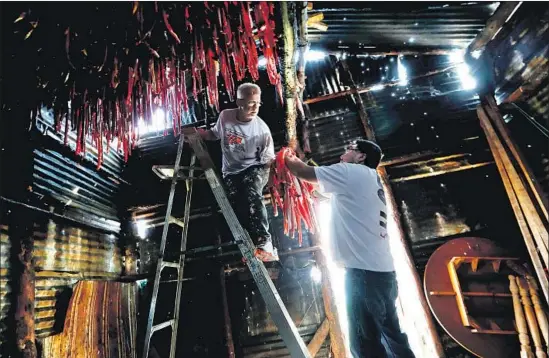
{"x": 113, "y": 78}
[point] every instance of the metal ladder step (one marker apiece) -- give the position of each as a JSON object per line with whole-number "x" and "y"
{"x": 176, "y": 221}
{"x": 170, "y": 264}
{"x": 165, "y": 172}
{"x": 162, "y": 325}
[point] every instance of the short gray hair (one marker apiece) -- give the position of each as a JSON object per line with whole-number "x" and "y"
{"x": 245, "y": 88}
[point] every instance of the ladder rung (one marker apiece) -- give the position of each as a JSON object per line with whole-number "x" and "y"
{"x": 162, "y": 325}
{"x": 176, "y": 221}
{"x": 183, "y": 280}
{"x": 170, "y": 264}
{"x": 165, "y": 172}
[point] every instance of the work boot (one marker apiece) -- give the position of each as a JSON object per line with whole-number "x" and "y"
{"x": 266, "y": 252}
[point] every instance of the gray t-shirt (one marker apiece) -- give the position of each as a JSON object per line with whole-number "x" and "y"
{"x": 358, "y": 230}
{"x": 243, "y": 144}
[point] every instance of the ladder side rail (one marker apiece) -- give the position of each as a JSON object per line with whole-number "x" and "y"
{"x": 186, "y": 216}
{"x": 152, "y": 308}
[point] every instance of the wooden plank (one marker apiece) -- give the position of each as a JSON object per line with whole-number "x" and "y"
{"x": 289, "y": 79}
{"x": 523, "y": 226}
{"x": 337, "y": 341}
{"x": 319, "y": 337}
{"x": 536, "y": 225}
{"x": 361, "y": 109}
{"x": 493, "y": 112}
{"x": 493, "y": 25}
{"x": 409, "y": 262}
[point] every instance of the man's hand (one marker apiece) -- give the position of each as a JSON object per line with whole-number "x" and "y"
{"x": 300, "y": 169}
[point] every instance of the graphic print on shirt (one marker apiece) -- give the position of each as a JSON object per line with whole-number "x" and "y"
{"x": 235, "y": 140}
{"x": 382, "y": 213}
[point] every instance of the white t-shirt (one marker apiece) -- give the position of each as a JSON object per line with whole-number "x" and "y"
{"x": 243, "y": 144}
{"x": 358, "y": 232}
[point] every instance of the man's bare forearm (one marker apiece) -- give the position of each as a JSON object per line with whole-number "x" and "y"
{"x": 301, "y": 170}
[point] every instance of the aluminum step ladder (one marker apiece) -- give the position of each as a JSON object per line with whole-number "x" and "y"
{"x": 273, "y": 301}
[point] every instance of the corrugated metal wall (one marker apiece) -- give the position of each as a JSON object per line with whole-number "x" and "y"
{"x": 65, "y": 254}
{"x": 75, "y": 223}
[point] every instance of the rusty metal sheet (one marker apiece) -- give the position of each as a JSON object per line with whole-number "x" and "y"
{"x": 63, "y": 255}
{"x": 72, "y": 249}
{"x": 101, "y": 322}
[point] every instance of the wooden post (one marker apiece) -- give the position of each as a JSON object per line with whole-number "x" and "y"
{"x": 319, "y": 338}
{"x": 229, "y": 342}
{"x": 530, "y": 317}
{"x": 409, "y": 263}
{"x": 24, "y": 308}
{"x": 302, "y": 45}
{"x": 525, "y": 350}
{"x": 287, "y": 10}
{"x": 512, "y": 182}
{"x": 330, "y": 308}
{"x": 361, "y": 109}
{"x": 493, "y": 25}
{"x": 493, "y": 112}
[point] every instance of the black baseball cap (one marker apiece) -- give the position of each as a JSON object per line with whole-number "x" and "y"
{"x": 372, "y": 150}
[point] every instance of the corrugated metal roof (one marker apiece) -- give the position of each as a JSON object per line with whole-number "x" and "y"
{"x": 393, "y": 25}
{"x": 409, "y": 118}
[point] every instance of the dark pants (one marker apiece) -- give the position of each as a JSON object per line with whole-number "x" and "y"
{"x": 374, "y": 329}
{"x": 245, "y": 192}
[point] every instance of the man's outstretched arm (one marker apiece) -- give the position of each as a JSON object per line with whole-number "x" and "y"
{"x": 300, "y": 169}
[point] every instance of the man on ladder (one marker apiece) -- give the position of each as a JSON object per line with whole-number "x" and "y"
{"x": 248, "y": 151}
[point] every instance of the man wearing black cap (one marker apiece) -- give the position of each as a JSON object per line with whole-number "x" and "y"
{"x": 359, "y": 242}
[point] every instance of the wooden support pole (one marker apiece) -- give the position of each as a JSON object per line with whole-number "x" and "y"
{"x": 303, "y": 46}
{"x": 319, "y": 338}
{"x": 24, "y": 308}
{"x": 493, "y": 112}
{"x": 337, "y": 341}
{"x": 227, "y": 325}
{"x": 505, "y": 168}
{"x": 287, "y": 10}
{"x": 392, "y": 208}
{"x": 361, "y": 109}
{"x": 530, "y": 202}
{"x": 493, "y": 25}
